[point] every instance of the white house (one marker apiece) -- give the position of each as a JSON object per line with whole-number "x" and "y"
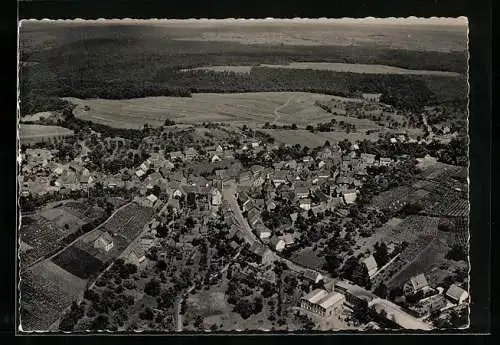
{"x": 456, "y": 294}
{"x": 151, "y": 200}
{"x": 277, "y": 243}
{"x": 313, "y": 276}
{"x": 104, "y": 241}
{"x": 305, "y": 204}
{"x": 349, "y": 196}
{"x": 263, "y": 232}
{"x": 216, "y": 197}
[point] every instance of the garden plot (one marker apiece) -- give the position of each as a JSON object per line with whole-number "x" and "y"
{"x": 46, "y": 291}
{"x": 78, "y": 262}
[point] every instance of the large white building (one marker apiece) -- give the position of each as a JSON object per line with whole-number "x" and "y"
{"x": 322, "y": 303}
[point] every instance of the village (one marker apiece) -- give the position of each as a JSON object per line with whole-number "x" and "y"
{"x": 238, "y": 202}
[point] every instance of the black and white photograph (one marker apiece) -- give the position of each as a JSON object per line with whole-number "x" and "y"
{"x": 236, "y": 175}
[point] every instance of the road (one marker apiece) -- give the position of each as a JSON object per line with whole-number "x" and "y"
{"x": 229, "y": 194}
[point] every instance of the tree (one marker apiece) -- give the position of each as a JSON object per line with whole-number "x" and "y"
{"x": 381, "y": 254}
{"x": 381, "y": 290}
{"x": 360, "y": 276}
{"x": 152, "y": 287}
{"x": 100, "y": 323}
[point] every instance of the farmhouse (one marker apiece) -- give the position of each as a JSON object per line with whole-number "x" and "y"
{"x": 367, "y": 158}
{"x": 262, "y": 254}
{"x": 104, "y": 241}
{"x": 456, "y": 294}
{"x": 355, "y": 296}
{"x": 190, "y": 153}
{"x": 288, "y": 239}
{"x": 176, "y": 156}
{"x": 322, "y": 303}
{"x": 151, "y": 200}
{"x": 312, "y": 276}
{"x": 416, "y": 284}
{"x": 349, "y": 196}
{"x": 136, "y": 256}
{"x": 278, "y": 244}
{"x": 385, "y": 161}
{"x": 305, "y": 204}
{"x": 262, "y": 231}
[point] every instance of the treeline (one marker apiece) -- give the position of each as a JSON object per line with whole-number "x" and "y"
{"x": 128, "y": 67}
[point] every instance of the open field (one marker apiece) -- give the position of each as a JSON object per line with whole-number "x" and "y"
{"x": 36, "y": 133}
{"x": 46, "y": 291}
{"x": 332, "y": 66}
{"x": 78, "y": 262}
{"x": 256, "y": 107}
{"x": 309, "y": 139}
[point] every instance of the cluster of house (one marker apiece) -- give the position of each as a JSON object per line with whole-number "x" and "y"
{"x": 336, "y": 297}
{"x": 40, "y": 174}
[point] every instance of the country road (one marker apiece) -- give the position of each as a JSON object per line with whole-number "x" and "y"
{"x": 229, "y": 194}
{"x": 277, "y": 110}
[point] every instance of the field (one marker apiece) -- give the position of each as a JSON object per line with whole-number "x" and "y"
{"x": 36, "y": 133}
{"x": 252, "y": 107}
{"x": 78, "y": 262}
{"x": 46, "y": 291}
{"x": 332, "y": 66}
{"x": 309, "y": 139}
{"x": 44, "y": 230}
{"x": 308, "y": 258}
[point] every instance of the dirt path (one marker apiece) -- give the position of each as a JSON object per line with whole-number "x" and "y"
{"x": 277, "y": 110}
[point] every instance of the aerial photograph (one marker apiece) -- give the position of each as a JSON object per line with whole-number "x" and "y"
{"x": 243, "y": 175}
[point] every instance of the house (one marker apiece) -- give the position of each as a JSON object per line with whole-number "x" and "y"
{"x": 321, "y": 164}
{"x": 371, "y": 265}
{"x": 262, "y": 254}
{"x": 255, "y": 144}
{"x": 173, "y": 204}
{"x": 355, "y": 295}
{"x": 312, "y": 276}
{"x": 323, "y": 174}
{"x": 262, "y": 231}
{"x": 349, "y": 196}
{"x": 292, "y": 164}
{"x": 176, "y": 156}
{"x": 318, "y": 209}
{"x": 136, "y": 256}
{"x": 244, "y": 177}
{"x": 279, "y": 177}
{"x": 367, "y": 158}
{"x": 270, "y": 205}
{"x": 104, "y": 241}
{"x": 229, "y": 154}
{"x": 151, "y": 200}
{"x": 307, "y": 159}
{"x": 302, "y": 191}
{"x": 372, "y": 97}
{"x": 456, "y": 294}
{"x": 215, "y": 197}
{"x": 190, "y": 153}
{"x": 278, "y": 244}
{"x": 86, "y": 179}
{"x": 417, "y": 283}
{"x": 215, "y": 157}
{"x": 383, "y": 161}
{"x": 253, "y": 217}
{"x": 288, "y": 239}
{"x": 305, "y": 204}
{"x": 322, "y": 303}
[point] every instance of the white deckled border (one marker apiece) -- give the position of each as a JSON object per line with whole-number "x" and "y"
{"x": 345, "y": 20}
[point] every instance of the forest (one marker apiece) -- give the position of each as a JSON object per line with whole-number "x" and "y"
{"x": 131, "y": 67}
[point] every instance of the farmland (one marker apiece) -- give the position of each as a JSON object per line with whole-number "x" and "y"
{"x": 332, "y": 66}
{"x": 38, "y": 133}
{"x": 256, "y": 107}
{"x": 78, "y": 262}
{"x": 46, "y": 291}
{"x": 45, "y": 230}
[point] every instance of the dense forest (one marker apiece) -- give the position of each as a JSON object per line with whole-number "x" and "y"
{"x": 128, "y": 66}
